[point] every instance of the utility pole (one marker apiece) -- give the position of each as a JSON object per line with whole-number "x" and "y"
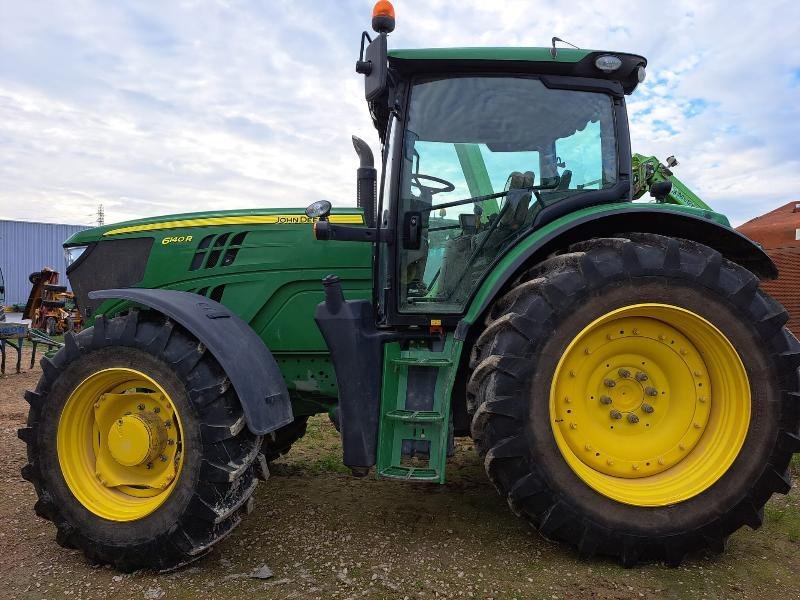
{"x": 101, "y": 215}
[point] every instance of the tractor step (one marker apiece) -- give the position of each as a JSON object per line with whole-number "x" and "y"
{"x": 415, "y": 416}
{"x": 410, "y": 474}
{"x": 415, "y": 429}
{"x": 425, "y": 362}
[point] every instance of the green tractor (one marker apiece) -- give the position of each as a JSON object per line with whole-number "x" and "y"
{"x": 631, "y": 389}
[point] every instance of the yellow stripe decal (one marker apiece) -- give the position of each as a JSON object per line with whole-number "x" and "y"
{"x": 241, "y": 220}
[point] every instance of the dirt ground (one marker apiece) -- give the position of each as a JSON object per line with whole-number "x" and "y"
{"x": 324, "y": 534}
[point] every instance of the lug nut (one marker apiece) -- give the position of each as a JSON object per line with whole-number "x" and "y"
{"x": 170, "y": 442}
{"x": 641, "y": 376}
{"x": 149, "y": 465}
{"x": 651, "y": 391}
{"x": 605, "y": 399}
{"x": 632, "y": 418}
{"x": 624, "y": 373}
{"x": 615, "y": 414}
{"x": 647, "y": 408}
{"x": 156, "y": 409}
{"x": 163, "y": 458}
{"x": 609, "y": 383}
{"x": 140, "y": 407}
{"x": 167, "y": 424}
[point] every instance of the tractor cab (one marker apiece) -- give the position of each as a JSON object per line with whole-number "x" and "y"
{"x": 480, "y": 146}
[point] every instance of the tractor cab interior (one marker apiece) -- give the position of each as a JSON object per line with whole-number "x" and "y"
{"x": 481, "y": 157}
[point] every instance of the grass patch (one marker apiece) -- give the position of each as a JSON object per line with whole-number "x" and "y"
{"x": 796, "y": 465}
{"x": 783, "y": 514}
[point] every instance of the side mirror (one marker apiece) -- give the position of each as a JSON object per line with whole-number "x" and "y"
{"x": 661, "y": 190}
{"x": 319, "y": 210}
{"x": 372, "y": 63}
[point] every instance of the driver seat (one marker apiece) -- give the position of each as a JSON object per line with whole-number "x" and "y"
{"x": 516, "y": 214}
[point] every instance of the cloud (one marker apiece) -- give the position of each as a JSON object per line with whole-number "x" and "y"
{"x": 151, "y": 107}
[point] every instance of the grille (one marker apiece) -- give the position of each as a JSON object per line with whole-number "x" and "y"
{"x": 217, "y": 250}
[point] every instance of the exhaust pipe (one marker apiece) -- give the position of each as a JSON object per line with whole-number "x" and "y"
{"x": 366, "y": 181}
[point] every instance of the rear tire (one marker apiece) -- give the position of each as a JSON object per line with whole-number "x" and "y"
{"x": 518, "y": 356}
{"x": 215, "y": 478}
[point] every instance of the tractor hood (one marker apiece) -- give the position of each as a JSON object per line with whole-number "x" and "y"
{"x": 215, "y": 253}
{"x": 166, "y": 225}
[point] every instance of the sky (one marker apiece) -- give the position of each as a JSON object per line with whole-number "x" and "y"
{"x": 176, "y": 106}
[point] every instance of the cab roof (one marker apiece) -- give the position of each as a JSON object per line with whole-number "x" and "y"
{"x": 567, "y": 61}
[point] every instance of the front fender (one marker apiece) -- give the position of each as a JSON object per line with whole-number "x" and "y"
{"x": 244, "y": 357}
{"x": 698, "y": 225}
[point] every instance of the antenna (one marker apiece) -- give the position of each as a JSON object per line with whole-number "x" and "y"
{"x": 554, "y": 50}
{"x": 101, "y": 215}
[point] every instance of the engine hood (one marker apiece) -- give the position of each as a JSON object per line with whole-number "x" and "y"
{"x": 166, "y": 226}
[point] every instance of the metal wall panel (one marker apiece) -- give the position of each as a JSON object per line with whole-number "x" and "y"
{"x": 27, "y": 247}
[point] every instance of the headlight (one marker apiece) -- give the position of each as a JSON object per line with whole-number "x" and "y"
{"x": 608, "y": 63}
{"x": 73, "y": 253}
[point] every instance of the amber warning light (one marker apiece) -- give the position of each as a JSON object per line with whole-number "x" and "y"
{"x": 383, "y": 17}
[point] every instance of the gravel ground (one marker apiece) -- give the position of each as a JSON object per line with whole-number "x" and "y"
{"x": 316, "y": 532}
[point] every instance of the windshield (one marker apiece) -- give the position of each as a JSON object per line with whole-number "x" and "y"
{"x": 482, "y": 156}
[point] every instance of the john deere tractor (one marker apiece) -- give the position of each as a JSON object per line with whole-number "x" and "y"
{"x": 632, "y": 390}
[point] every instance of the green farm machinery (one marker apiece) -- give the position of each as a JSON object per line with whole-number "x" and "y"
{"x": 631, "y": 389}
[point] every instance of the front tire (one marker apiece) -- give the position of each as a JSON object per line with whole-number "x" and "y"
{"x": 679, "y": 467}
{"x": 137, "y": 445}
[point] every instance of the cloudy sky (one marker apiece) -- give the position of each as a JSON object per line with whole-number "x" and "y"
{"x": 173, "y": 106}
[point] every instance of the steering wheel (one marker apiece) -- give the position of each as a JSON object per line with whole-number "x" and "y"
{"x": 446, "y": 185}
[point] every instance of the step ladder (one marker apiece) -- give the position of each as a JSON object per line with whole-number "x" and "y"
{"x": 414, "y": 432}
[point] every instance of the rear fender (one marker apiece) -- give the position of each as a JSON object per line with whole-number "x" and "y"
{"x": 247, "y": 362}
{"x": 610, "y": 220}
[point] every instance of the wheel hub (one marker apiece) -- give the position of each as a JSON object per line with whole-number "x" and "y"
{"x": 137, "y": 439}
{"x": 634, "y": 398}
{"x": 139, "y": 453}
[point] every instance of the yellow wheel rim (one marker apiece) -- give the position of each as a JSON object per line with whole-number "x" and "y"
{"x": 650, "y": 404}
{"x": 120, "y": 444}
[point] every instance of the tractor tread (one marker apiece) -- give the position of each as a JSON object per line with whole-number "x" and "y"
{"x": 280, "y": 441}
{"x": 227, "y": 470}
{"x": 502, "y": 359}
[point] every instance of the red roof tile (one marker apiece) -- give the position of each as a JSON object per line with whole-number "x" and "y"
{"x": 777, "y": 231}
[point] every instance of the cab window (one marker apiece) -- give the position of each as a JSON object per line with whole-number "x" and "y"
{"x": 481, "y": 157}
